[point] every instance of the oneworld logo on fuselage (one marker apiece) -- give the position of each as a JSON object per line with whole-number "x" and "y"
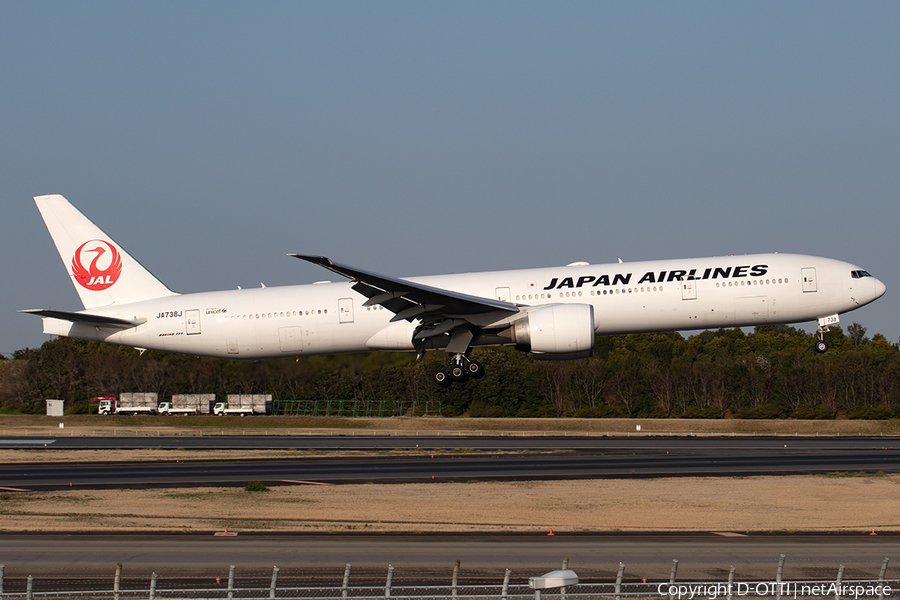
{"x": 104, "y": 268}
{"x": 659, "y": 276}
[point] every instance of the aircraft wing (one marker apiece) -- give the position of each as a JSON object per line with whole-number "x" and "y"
{"x": 409, "y": 300}
{"x": 95, "y": 320}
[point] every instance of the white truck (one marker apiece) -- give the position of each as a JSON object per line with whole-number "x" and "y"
{"x": 127, "y": 404}
{"x": 166, "y": 408}
{"x": 221, "y": 409}
{"x": 187, "y": 404}
{"x": 244, "y": 404}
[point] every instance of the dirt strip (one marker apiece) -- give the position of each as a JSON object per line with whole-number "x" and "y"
{"x": 740, "y": 505}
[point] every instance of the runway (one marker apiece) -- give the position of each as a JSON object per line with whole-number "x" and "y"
{"x": 320, "y": 559}
{"x": 531, "y": 458}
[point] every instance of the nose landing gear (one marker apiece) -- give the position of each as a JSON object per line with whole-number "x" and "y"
{"x": 825, "y": 323}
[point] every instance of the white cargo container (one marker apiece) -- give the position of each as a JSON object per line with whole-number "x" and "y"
{"x": 199, "y": 403}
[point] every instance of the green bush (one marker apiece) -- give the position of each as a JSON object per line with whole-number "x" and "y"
{"x": 769, "y": 411}
{"x": 809, "y": 413}
{"x": 710, "y": 412}
{"x": 478, "y": 409}
{"x": 875, "y": 413}
{"x": 603, "y": 411}
{"x": 256, "y": 486}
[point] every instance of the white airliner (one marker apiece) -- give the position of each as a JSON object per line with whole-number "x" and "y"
{"x": 554, "y": 313}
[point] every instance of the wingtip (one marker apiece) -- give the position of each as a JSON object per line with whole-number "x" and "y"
{"x": 319, "y": 260}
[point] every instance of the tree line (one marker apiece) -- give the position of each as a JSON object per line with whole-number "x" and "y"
{"x": 772, "y": 372}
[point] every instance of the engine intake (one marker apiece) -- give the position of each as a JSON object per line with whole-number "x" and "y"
{"x": 557, "y": 332}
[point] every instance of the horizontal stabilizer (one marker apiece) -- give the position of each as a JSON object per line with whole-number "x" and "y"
{"x": 96, "y": 320}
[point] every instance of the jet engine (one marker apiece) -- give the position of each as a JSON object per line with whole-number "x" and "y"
{"x": 556, "y": 332}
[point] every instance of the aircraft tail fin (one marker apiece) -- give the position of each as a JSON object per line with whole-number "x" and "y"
{"x": 101, "y": 271}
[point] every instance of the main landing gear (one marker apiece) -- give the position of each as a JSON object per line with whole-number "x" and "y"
{"x": 461, "y": 368}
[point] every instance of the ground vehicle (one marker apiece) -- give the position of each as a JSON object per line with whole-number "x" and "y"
{"x": 244, "y": 404}
{"x": 221, "y": 409}
{"x": 166, "y": 408}
{"x": 127, "y": 404}
{"x": 188, "y": 404}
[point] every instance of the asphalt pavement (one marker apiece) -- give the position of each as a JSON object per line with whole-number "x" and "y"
{"x": 500, "y": 459}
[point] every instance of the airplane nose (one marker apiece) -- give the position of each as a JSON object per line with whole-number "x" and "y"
{"x": 879, "y": 288}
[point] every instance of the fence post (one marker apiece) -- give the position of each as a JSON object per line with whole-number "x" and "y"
{"x": 562, "y": 590}
{"x": 619, "y": 581}
{"x": 3, "y": 570}
{"x": 730, "y": 583}
{"x": 346, "y": 583}
{"x": 880, "y": 578}
{"x": 117, "y": 580}
{"x": 505, "y": 591}
{"x": 840, "y": 578}
{"x": 455, "y": 579}
{"x": 153, "y": 586}
{"x": 29, "y": 591}
{"x": 274, "y": 584}
{"x": 387, "y": 584}
{"x": 231, "y": 581}
{"x": 778, "y": 573}
{"x": 672, "y": 577}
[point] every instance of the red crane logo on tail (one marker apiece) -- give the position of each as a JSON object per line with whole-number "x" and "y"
{"x": 96, "y": 277}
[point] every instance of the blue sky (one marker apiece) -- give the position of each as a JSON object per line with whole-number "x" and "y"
{"x": 413, "y": 138}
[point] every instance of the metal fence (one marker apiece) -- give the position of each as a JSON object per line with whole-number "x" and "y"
{"x": 346, "y": 408}
{"x": 672, "y": 589}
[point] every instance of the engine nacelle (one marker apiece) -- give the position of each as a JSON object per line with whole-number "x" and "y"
{"x": 557, "y": 332}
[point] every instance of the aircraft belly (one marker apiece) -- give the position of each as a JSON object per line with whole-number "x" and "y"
{"x": 397, "y": 336}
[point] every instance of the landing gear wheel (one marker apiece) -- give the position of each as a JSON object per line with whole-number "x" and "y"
{"x": 442, "y": 378}
{"x": 474, "y": 369}
{"x": 821, "y": 346}
{"x": 457, "y": 373}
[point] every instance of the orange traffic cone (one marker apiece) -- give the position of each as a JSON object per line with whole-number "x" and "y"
{"x": 551, "y": 532}
{"x": 873, "y": 532}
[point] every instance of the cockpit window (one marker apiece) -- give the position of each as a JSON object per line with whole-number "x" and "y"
{"x": 859, "y": 274}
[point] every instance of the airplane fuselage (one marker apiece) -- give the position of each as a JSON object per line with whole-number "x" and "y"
{"x": 329, "y": 318}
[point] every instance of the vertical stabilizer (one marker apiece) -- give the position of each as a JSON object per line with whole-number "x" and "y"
{"x": 101, "y": 271}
